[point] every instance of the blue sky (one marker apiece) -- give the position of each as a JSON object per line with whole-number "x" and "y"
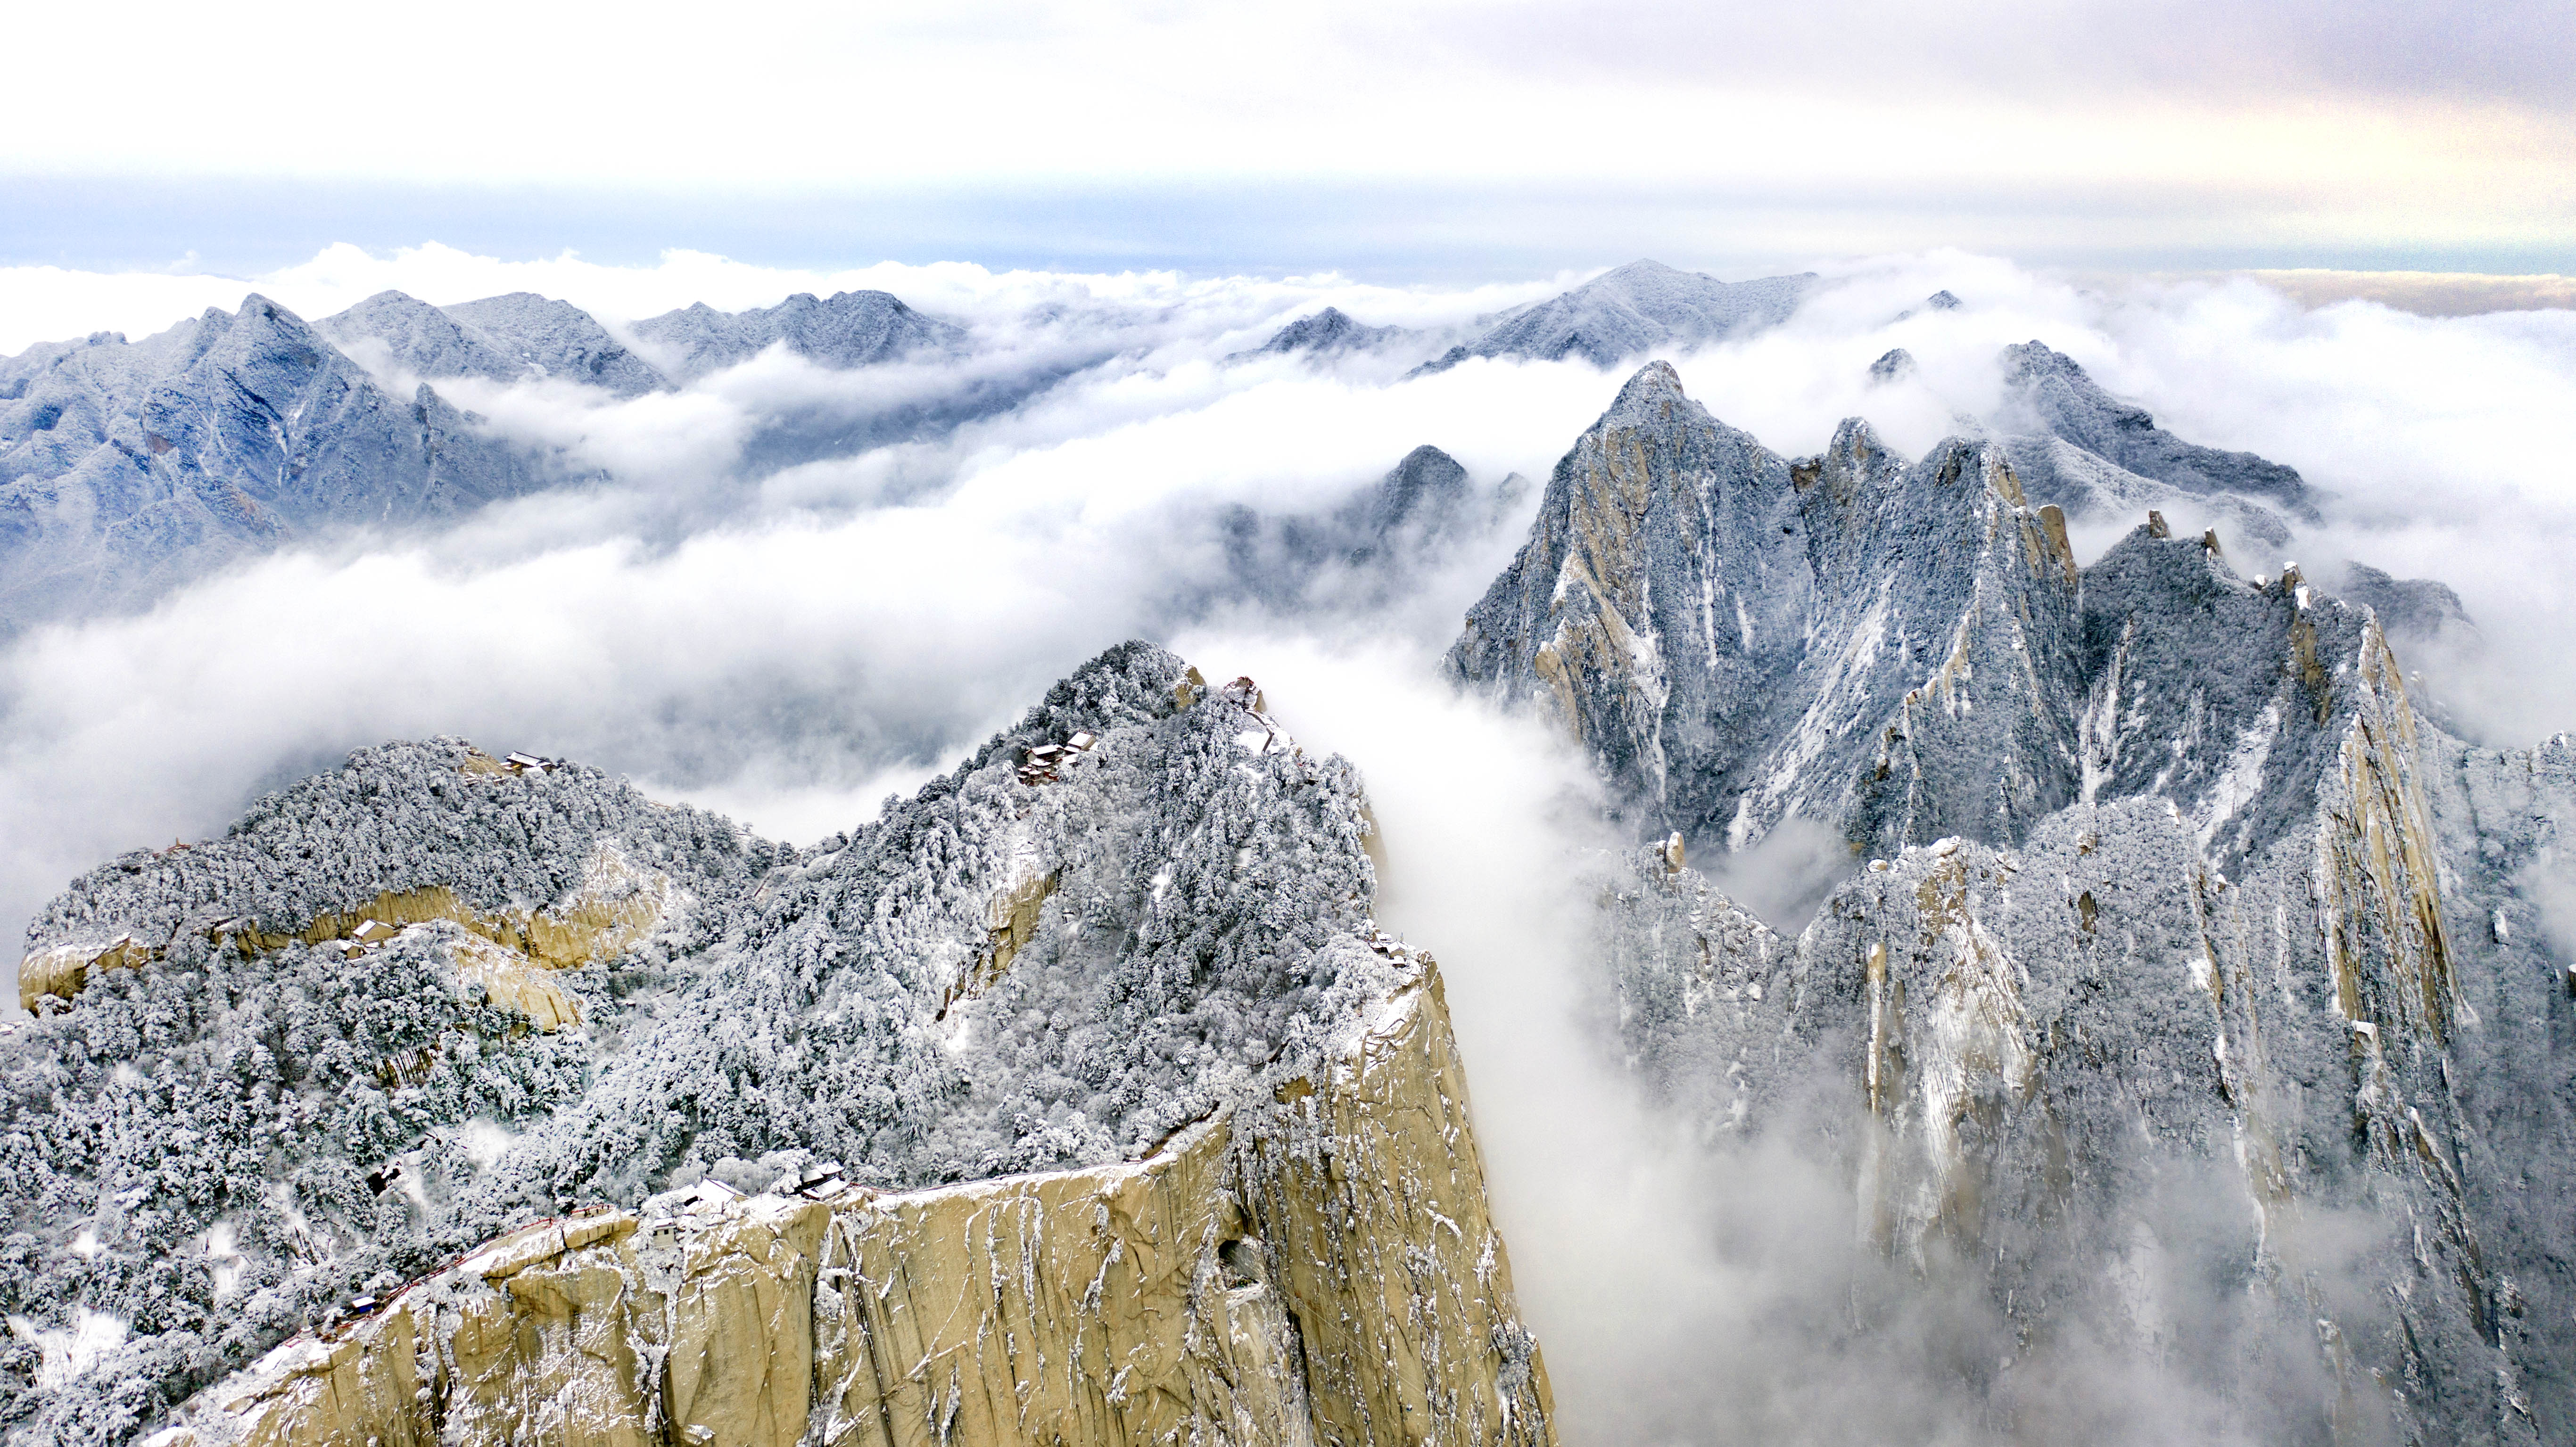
{"x": 1410, "y": 142}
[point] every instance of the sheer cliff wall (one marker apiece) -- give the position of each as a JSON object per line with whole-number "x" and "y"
{"x": 1319, "y": 1270}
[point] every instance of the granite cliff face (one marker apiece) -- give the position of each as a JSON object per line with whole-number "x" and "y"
{"x": 1076, "y": 1099}
{"x": 2177, "y": 1024}
{"x": 1316, "y": 1267}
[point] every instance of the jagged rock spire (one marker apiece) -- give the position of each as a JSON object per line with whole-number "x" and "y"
{"x": 1737, "y": 638}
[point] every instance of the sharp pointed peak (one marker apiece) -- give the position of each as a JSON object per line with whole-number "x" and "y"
{"x": 2037, "y": 356}
{"x": 1655, "y": 379}
{"x": 1652, "y": 397}
{"x": 1853, "y": 435}
{"x": 256, "y": 305}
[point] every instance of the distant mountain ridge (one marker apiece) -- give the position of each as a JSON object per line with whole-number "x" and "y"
{"x": 2049, "y": 395}
{"x": 851, "y": 329}
{"x": 1327, "y": 333}
{"x": 2072, "y": 443}
{"x": 127, "y": 467}
{"x": 1629, "y": 311}
{"x": 512, "y": 338}
{"x": 1358, "y": 556}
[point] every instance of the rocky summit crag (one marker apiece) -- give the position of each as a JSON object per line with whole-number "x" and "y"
{"x": 1083, "y": 1077}
{"x": 1738, "y": 639}
{"x": 2194, "y": 1021}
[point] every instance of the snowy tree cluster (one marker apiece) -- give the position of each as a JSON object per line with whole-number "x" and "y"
{"x": 220, "y": 1147}
{"x": 1042, "y": 960}
{"x": 217, "y": 1152}
{"x": 397, "y": 818}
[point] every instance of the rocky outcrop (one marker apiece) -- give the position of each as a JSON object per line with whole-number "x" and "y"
{"x": 1320, "y": 1268}
{"x": 614, "y": 907}
{"x": 573, "y": 841}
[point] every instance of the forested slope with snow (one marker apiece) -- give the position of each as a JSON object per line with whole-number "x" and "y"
{"x": 406, "y": 1006}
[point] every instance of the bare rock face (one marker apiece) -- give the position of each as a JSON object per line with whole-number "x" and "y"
{"x": 2195, "y": 1018}
{"x": 1076, "y": 1099}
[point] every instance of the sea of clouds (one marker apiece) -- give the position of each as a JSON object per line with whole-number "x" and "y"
{"x": 791, "y": 641}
